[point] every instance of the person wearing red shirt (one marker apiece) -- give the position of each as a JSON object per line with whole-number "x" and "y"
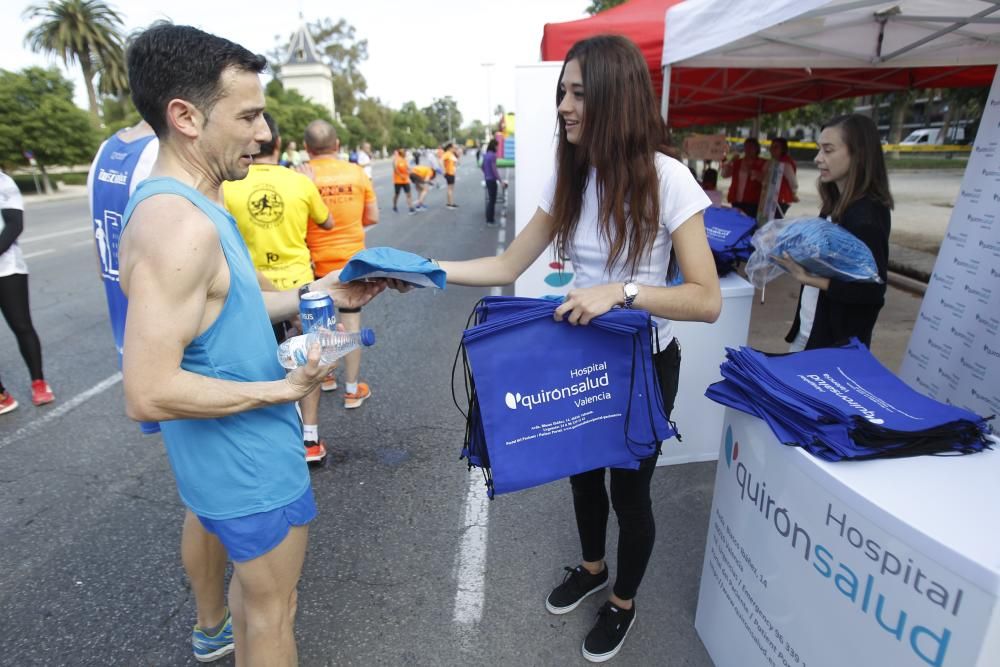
{"x": 747, "y": 173}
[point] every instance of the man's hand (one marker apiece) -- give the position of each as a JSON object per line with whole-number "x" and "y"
{"x": 348, "y": 295}
{"x": 583, "y": 305}
{"x": 306, "y": 378}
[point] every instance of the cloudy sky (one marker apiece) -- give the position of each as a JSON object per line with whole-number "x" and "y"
{"x": 416, "y": 50}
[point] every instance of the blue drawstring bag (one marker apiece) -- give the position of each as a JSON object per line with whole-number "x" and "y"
{"x": 547, "y": 399}
{"x": 729, "y": 231}
{"x": 820, "y": 246}
{"x": 383, "y": 262}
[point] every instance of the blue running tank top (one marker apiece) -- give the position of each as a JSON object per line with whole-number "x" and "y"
{"x": 113, "y": 178}
{"x": 249, "y": 462}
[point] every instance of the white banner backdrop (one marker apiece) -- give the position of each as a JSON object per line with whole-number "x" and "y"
{"x": 534, "y": 163}
{"x": 954, "y": 351}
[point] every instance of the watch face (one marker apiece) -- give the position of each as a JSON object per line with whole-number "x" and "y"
{"x": 631, "y": 290}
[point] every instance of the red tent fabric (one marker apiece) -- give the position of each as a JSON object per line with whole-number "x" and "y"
{"x": 710, "y": 96}
{"x": 639, "y": 20}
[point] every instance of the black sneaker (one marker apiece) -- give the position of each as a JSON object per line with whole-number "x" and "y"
{"x": 608, "y": 635}
{"x": 576, "y": 585}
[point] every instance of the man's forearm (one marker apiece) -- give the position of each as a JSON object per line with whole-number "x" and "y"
{"x": 188, "y": 395}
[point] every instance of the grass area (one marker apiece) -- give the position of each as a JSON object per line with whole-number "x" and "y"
{"x": 926, "y": 163}
{"x": 26, "y": 183}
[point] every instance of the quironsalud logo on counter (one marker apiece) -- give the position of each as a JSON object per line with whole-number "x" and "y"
{"x": 876, "y": 581}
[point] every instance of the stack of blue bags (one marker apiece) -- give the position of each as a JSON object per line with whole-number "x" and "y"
{"x": 842, "y": 404}
{"x": 546, "y": 399}
{"x": 729, "y": 231}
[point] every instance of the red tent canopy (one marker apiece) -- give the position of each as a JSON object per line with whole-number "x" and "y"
{"x": 639, "y": 20}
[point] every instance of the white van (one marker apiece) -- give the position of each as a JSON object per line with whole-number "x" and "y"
{"x": 932, "y": 135}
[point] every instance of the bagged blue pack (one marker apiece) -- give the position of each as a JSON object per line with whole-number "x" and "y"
{"x": 384, "y": 262}
{"x": 820, "y": 246}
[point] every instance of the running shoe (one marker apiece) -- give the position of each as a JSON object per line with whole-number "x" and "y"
{"x": 329, "y": 382}
{"x": 608, "y": 635}
{"x": 413, "y": 211}
{"x": 7, "y": 403}
{"x": 41, "y": 392}
{"x": 315, "y": 451}
{"x": 210, "y": 648}
{"x": 357, "y": 398}
{"x": 576, "y": 586}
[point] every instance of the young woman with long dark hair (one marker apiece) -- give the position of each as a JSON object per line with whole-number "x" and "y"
{"x": 854, "y": 190}
{"x": 616, "y": 206}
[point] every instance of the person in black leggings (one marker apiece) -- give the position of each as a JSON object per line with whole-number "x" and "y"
{"x": 14, "y": 296}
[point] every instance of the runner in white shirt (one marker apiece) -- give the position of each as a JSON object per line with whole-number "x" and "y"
{"x": 14, "y": 296}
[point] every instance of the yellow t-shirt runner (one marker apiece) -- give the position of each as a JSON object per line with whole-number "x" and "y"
{"x": 400, "y": 171}
{"x": 273, "y": 207}
{"x": 347, "y": 191}
{"x": 422, "y": 172}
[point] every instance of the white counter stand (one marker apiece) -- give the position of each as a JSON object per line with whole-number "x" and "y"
{"x": 703, "y": 349}
{"x": 882, "y": 563}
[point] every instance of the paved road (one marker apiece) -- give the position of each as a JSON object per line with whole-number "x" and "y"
{"x": 405, "y": 564}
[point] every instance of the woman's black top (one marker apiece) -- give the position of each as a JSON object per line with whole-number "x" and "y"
{"x": 850, "y": 308}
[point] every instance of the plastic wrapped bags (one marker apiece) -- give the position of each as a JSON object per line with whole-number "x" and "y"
{"x": 820, "y": 246}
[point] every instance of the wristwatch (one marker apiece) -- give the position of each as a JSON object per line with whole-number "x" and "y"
{"x": 631, "y": 291}
{"x": 305, "y": 289}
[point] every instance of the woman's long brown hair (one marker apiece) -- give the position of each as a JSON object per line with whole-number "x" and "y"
{"x": 866, "y": 175}
{"x": 620, "y": 135}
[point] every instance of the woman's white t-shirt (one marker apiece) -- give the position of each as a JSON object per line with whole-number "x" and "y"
{"x": 680, "y": 198}
{"x": 12, "y": 261}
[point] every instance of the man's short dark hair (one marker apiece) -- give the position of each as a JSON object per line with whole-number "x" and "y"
{"x": 272, "y": 125}
{"x": 170, "y": 61}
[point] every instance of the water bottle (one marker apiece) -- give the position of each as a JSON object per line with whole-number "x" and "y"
{"x": 335, "y": 344}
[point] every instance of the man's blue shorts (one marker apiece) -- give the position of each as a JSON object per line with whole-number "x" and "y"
{"x": 248, "y": 537}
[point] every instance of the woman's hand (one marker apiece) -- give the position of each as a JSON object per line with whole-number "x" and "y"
{"x": 584, "y": 304}
{"x": 798, "y": 272}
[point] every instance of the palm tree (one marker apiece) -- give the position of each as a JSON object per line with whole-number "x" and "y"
{"x": 83, "y": 31}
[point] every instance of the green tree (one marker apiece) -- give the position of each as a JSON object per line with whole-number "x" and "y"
{"x": 293, "y": 112}
{"x": 475, "y": 131}
{"x": 600, "y": 5}
{"x": 87, "y": 32}
{"x": 37, "y": 114}
{"x": 409, "y": 128}
{"x": 443, "y": 119}
{"x": 376, "y": 121}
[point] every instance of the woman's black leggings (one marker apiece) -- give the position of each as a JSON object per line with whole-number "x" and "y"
{"x": 629, "y": 497}
{"x": 491, "y": 204}
{"x": 14, "y": 306}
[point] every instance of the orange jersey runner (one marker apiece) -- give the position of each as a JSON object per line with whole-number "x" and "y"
{"x": 347, "y": 191}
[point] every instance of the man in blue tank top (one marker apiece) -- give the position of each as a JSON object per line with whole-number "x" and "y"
{"x": 199, "y": 348}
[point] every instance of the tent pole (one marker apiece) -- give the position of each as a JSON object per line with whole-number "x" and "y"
{"x": 665, "y": 95}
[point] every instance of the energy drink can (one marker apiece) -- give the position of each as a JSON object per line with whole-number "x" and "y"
{"x": 317, "y": 311}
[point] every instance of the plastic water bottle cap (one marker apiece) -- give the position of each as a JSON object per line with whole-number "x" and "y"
{"x": 367, "y": 337}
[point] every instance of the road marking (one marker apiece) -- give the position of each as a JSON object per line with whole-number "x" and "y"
{"x": 65, "y": 232}
{"x": 470, "y": 593}
{"x": 38, "y": 254}
{"x": 62, "y": 409}
{"x": 472, "y": 556}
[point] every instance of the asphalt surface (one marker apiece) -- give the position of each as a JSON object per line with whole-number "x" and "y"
{"x": 89, "y": 567}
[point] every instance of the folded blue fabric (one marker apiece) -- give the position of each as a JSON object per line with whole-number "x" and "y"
{"x": 384, "y": 262}
{"x": 728, "y": 231}
{"x": 841, "y": 403}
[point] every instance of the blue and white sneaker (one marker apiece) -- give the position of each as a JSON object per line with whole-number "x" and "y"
{"x": 210, "y": 648}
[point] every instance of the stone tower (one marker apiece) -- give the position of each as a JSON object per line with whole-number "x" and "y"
{"x": 305, "y": 72}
